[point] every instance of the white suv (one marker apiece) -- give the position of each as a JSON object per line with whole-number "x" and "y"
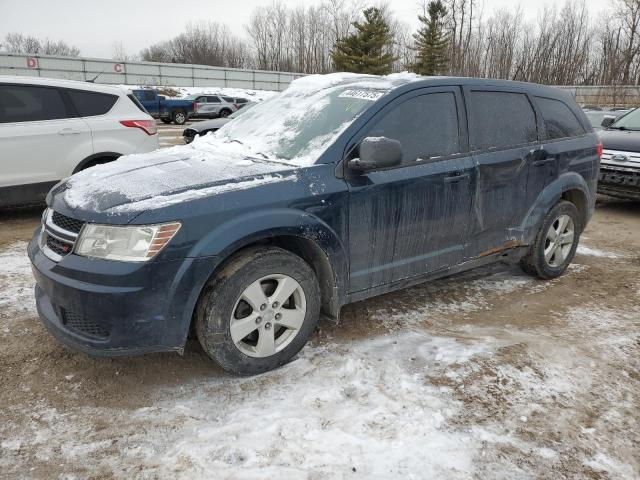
{"x": 50, "y": 129}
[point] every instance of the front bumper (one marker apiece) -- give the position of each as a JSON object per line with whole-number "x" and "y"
{"x": 108, "y": 308}
{"x": 619, "y": 181}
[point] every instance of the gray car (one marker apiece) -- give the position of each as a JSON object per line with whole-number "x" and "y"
{"x": 213, "y": 106}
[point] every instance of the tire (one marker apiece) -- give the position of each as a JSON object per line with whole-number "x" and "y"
{"x": 179, "y": 117}
{"x": 559, "y": 256}
{"x": 224, "y": 113}
{"x": 166, "y": 120}
{"x": 223, "y": 316}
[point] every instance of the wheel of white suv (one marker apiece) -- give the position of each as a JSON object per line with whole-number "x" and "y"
{"x": 259, "y": 311}
{"x": 556, "y": 242}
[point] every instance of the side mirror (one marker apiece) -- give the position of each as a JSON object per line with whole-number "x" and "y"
{"x": 607, "y": 121}
{"x": 377, "y": 152}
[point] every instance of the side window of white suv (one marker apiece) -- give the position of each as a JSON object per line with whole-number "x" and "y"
{"x": 26, "y": 103}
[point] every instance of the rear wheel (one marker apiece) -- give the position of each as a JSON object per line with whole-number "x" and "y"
{"x": 556, "y": 242}
{"x": 259, "y": 311}
{"x": 179, "y": 117}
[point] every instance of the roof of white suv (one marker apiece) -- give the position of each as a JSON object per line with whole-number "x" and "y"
{"x": 55, "y": 82}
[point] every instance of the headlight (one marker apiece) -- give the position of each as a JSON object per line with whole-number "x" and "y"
{"x": 134, "y": 243}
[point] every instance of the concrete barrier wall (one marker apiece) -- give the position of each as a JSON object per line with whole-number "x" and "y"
{"x": 179, "y": 75}
{"x": 607, "y": 96}
{"x": 141, "y": 73}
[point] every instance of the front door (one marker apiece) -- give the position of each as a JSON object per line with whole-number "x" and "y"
{"x": 412, "y": 219}
{"x": 39, "y": 139}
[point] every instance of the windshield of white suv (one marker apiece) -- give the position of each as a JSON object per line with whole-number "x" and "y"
{"x": 631, "y": 121}
{"x": 302, "y": 122}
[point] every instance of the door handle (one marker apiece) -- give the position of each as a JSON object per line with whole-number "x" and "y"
{"x": 544, "y": 161}
{"x": 69, "y": 131}
{"x": 456, "y": 177}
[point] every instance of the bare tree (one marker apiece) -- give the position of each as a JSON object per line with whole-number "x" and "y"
{"x": 19, "y": 43}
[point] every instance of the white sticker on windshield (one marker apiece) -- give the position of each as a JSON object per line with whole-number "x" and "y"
{"x": 372, "y": 95}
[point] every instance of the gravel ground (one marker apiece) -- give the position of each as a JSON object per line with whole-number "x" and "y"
{"x": 490, "y": 374}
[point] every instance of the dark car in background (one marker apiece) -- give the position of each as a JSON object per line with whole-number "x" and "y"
{"x": 177, "y": 111}
{"x": 202, "y": 128}
{"x": 620, "y": 167}
{"x": 597, "y": 116}
{"x": 337, "y": 190}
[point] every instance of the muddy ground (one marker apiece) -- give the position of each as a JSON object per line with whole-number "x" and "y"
{"x": 490, "y": 374}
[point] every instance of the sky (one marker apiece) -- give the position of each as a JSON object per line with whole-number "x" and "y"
{"x": 95, "y": 25}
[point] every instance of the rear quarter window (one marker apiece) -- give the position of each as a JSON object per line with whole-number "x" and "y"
{"x": 500, "y": 120}
{"x": 91, "y": 104}
{"x": 559, "y": 120}
{"x": 26, "y": 103}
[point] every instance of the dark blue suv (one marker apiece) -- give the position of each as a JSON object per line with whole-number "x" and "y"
{"x": 341, "y": 188}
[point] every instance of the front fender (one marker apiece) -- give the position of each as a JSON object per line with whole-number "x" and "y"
{"x": 551, "y": 194}
{"x": 253, "y": 227}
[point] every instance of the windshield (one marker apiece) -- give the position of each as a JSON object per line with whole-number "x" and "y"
{"x": 300, "y": 123}
{"x": 631, "y": 121}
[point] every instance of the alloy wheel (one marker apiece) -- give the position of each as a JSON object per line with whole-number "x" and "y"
{"x": 559, "y": 241}
{"x": 268, "y": 315}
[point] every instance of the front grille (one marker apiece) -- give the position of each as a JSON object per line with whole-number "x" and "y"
{"x": 84, "y": 325}
{"x": 59, "y": 247}
{"x": 59, "y": 235}
{"x": 67, "y": 223}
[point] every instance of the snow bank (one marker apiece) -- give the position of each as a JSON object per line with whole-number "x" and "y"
{"x": 249, "y": 94}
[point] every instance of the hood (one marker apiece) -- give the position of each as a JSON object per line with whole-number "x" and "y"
{"x": 210, "y": 124}
{"x": 136, "y": 183}
{"x": 624, "y": 140}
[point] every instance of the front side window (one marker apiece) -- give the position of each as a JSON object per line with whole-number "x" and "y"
{"x": 426, "y": 127}
{"x": 500, "y": 120}
{"x": 89, "y": 104}
{"x": 149, "y": 95}
{"x": 26, "y": 103}
{"x": 559, "y": 120}
{"x": 228, "y": 99}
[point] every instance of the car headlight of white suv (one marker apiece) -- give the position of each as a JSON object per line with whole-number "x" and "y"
{"x": 131, "y": 243}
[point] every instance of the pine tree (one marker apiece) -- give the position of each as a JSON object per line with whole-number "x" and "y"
{"x": 431, "y": 41}
{"x": 367, "y": 49}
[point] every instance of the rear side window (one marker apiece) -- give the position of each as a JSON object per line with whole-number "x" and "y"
{"x": 136, "y": 102}
{"x": 559, "y": 120}
{"x": 90, "y": 104}
{"x": 25, "y": 103}
{"x": 426, "y": 126}
{"x": 213, "y": 100}
{"x": 501, "y": 120}
{"x": 228, "y": 99}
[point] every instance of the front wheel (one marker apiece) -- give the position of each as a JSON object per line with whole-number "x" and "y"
{"x": 259, "y": 311}
{"x": 224, "y": 113}
{"x": 556, "y": 242}
{"x": 179, "y": 117}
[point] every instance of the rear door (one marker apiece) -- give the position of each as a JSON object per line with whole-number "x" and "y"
{"x": 560, "y": 127}
{"x": 412, "y": 219}
{"x": 40, "y": 134}
{"x": 503, "y": 133}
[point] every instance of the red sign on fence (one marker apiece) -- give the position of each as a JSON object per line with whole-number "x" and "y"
{"x": 117, "y": 68}
{"x": 32, "y": 62}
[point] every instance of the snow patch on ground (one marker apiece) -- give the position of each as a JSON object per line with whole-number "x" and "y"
{"x": 15, "y": 274}
{"x": 594, "y": 252}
